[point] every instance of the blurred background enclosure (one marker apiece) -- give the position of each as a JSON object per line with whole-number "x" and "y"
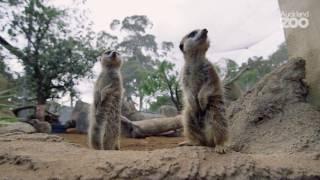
{"x": 49, "y": 48}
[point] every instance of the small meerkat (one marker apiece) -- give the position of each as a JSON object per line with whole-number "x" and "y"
{"x": 204, "y": 114}
{"x": 104, "y": 118}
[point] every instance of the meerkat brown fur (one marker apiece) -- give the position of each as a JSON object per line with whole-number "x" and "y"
{"x": 204, "y": 114}
{"x": 104, "y": 118}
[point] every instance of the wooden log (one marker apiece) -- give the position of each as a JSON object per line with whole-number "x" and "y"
{"x": 157, "y": 126}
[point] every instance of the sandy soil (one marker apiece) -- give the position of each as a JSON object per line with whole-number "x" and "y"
{"x": 149, "y": 143}
{"x": 42, "y": 156}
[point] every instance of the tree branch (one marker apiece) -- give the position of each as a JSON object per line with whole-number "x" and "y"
{"x": 169, "y": 84}
{"x": 177, "y": 97}
{"x": 13, "y": 50}
{"x": 228, "y": 81}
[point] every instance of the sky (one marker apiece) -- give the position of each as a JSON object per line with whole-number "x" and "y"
{"x": 233, "y": 25}
{"x": 238, "y": 29}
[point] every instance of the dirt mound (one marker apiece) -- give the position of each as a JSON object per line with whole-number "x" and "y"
{"x": 273, "y": 116}
{"x": 28, "y": 157}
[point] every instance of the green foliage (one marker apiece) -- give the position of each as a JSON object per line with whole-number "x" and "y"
{"x": 249, "y": 79}
{"x": 158, "y": 102}
{"x": 4, "y": 71}
{"x": 6, "y": 106}
{"x": 280, "y": 56}
{"x": 157, "y": 80}
{"x": 133, "y": 73}
{"x": 163, "y": 81}
{"x": 56, "y": 54}
{"x": 258, "y": 67}
{"x": 106, "y": 40}
{"x": 232, "y": 68}
{"x": 136, "y": 24}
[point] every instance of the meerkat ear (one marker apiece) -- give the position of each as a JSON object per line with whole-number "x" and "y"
{"x": 181, "y": 47}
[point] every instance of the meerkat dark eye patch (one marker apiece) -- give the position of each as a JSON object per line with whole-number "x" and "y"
{"x": 192, "y": 34}
{"x": 181, "y": 47}
{"x": 107, "y": 52}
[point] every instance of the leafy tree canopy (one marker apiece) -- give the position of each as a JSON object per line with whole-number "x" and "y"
{"x": 54, "y": 46}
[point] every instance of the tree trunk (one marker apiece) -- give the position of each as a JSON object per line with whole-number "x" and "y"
{"x": 41, "y": 95}
{"x": 40, "y": 111}
{"x": 71, "y": 101}
{"x": 41, "y": 107}
{"x": 177, "y": 93}
{"x": 140, "y": 102}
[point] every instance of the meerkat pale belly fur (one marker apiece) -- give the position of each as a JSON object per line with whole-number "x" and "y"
{"x": 204, "y": 114}
{"x": 104, "y": 119}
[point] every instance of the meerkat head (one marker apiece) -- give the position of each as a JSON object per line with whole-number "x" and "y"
{"x": 110, "y": 59}
{"x": 196, "y": 42}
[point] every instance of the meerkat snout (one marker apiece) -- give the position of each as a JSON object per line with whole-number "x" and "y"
{"x": 203, "y": 34}
{"x": 195, "y": 42}
{"x": 111, "y": 59}
{"x": 113, "y": 54}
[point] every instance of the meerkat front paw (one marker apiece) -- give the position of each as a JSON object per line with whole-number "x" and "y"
{"x": 203, "y": 102}
{"x": 193, "y": 102}
{"x": 220, "y": 149}
{"x": 105, "y": 92}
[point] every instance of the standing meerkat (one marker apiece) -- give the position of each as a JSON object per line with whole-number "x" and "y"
{"x": 104, "y": 119}
{"x": 204, "y": 114}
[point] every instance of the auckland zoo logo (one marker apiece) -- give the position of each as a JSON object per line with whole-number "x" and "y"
{"x": 295, "y": 19}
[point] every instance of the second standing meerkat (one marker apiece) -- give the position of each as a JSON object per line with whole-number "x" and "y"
{"x": 203, "y": 117}
{"x": 104, "y": 118}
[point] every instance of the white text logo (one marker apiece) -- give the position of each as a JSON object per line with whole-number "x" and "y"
{"x": 295, "y": 19}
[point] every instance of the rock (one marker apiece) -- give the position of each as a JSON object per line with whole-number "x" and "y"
{"x": 17, "y": 127}
{"x": 80, "y": 115}
{"x": 127, "y": 107}
{"x": 274, "y": 115}
{"x": 168, "y": 111}
{"x": 40, "y": 126}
